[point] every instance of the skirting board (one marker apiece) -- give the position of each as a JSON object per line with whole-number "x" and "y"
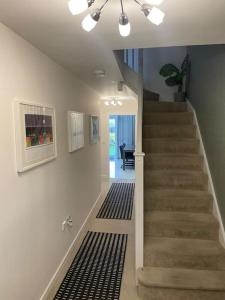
{"x": 60, "y": 273}
{"x": 216, "y": 210}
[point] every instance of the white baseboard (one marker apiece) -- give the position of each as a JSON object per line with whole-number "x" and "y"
{"x": 60, "y": 273}
{"x": 216, "y": 210}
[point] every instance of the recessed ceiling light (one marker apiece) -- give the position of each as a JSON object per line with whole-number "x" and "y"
{"x": 99, "y": 73}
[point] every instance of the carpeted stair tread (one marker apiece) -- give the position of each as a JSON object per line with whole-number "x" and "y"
{"x": 181, "y": 225}
{"x": 182, "y": 278}
{"x": 178, "y": 200}
{"x": 173, "y": 161}
{"x": 176, "y": 193}
{"x": 185, "y": 118}
{"x": 171, "y": 145}
{"x": 184, "y": 253}
{"x": 179, "y": 204}
{"x": 185, "y": 179}
{"x": 169, "y": 131}
{"x": 173, "y": 217}
{"x": 150, "y": 106}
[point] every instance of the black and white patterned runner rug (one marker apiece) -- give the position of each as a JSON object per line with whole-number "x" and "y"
{"x": 96, "y": 272}
{"x": 119, "y": 202}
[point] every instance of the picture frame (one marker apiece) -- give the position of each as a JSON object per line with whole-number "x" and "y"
{"x": 75, "y": 130}
{"x": 35, "y": 134}
{"x": 94, "y": 129}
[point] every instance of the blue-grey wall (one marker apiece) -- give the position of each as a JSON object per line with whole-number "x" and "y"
{"x": 207, "y": 95}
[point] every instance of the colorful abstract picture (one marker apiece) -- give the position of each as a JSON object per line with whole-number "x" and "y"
{"x": 35, "y": 132}
{"x": 38, "y": 130}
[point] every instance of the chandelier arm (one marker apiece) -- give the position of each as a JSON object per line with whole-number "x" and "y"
{"x": 138, "y": 2}
{"x": 103, "y": 5}
{"x": 121, "y": 3}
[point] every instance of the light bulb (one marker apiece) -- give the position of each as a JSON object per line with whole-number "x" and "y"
{"x": 119, "y": 103}
{"x": 154, "y": 2}
{"x": 124, "y": 25}
{"x": 107, "y": 103}
{"x": 91, "y": 20}
{"x": 156, "y": 16}
{"x": 77, "y": 6}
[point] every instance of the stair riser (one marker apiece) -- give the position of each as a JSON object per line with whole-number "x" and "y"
{"x": 187, "y": 262}
{"x": 183, "y": 204}
{"x": 167, "y": 132}
{"x": 168, "y": 119}
{"x": 151, "y": 146}
{"x": 182, "y": 230}
{"x": 184, "y": 163}
{"x": 164, "y": 107}
{"x": 158, "y": 293}
{"x": 176, "y": 182}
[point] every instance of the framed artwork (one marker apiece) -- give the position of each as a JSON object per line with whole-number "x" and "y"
{"x": 75, "y": 130}
{"x": 94, "y": 129}
{"x": 35, "y": 135}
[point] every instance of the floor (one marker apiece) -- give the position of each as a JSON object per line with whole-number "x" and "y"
{"x": 128, "y": 289}
{"x": 116, "y": 172}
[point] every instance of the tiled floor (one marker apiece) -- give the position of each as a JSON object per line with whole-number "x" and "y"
{"x": 116, "y": 172}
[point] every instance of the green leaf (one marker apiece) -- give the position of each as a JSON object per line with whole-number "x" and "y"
{"x": 172, "y": 81}
{"x": 168, "y": 70}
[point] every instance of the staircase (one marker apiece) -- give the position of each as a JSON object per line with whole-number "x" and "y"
{"x": 183, "y": 259}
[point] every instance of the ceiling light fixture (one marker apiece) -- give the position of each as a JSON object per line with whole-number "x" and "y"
{"x": 91, "y": 20}
{"x": 152, "y": 13}
{"x": 113, "y": 102}
{"x": 76, "y": 7}
{"x": 124, "y": 24}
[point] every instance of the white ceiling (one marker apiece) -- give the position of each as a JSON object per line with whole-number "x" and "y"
{"x": 48, "y": 25}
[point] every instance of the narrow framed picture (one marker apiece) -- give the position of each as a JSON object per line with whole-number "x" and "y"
{"x": 35, "y": 134}
{"x": 94, "y": 129}
{"x": 75, "y": 130}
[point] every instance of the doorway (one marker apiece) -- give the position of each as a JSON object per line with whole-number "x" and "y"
{"x": 122, "y": 146}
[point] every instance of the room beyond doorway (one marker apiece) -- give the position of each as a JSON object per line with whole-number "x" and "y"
{"x": 121, "y": 147}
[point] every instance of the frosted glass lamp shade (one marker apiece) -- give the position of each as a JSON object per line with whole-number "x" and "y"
{"x": 76, "y": 7}
{"x": 89, "y": 23}
{"x": 156, "y": 16}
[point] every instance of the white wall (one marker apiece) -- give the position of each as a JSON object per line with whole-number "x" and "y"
{"x": 34, "y": 204}
{"x": 129, "y": 108}
{"x": 154, "y": 59}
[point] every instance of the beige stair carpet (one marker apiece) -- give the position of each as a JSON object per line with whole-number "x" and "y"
{"x": 183, "y": 259}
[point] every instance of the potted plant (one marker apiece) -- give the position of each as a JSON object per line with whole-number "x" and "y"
{"x": 175, "y": 77}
